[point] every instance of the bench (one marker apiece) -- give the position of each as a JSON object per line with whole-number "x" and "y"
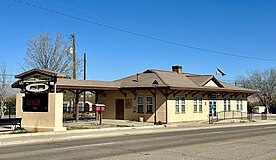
{"x": 11, "y": 121}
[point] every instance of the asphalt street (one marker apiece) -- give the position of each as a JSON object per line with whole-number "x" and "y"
{"x": 247, "y": 142}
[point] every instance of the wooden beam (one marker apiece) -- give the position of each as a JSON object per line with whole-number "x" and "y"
{"x": 195, "y": 93}
{"x": 224, "y": 95}
{"x": 233, "y": 95}
{"x": 123, "y": 93}
{"x": 174, "y": 94}
{"x": 205, "y": 94}
{"x": 237, "y": 95}
{"x": 133, "y": 92}
{"x": 187, "y": 93}
{"x": 168, "y": 94}
{"x": 101, "y": 92}
{"x": 151, "y": 92}
{"x": 164, "y": 94}
{"x": 219, "y": 94}
{"x": 249, "y": 94}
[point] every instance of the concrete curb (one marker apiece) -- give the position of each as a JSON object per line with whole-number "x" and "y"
{"x": 12, "y": 139}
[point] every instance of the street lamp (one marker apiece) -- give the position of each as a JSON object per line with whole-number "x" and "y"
{"x": 155, "y": 84}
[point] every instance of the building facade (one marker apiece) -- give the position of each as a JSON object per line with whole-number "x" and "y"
{"x": 179, "y": 97}
{"x": 150, "y": 96}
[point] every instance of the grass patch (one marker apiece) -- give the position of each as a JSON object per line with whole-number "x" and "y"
{"x": 20, "y": 131}
{"x": 243, "y": 121}
{"x": 123, "y": 125}
{"x": 76, "y": 127}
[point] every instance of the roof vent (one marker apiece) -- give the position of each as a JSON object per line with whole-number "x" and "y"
{"x": 177, "y": 69}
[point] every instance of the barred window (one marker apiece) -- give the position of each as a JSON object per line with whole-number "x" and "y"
{"x": 149, "y": 104}
{"x": 195, "y": 104}
{"x": 140, "y": 104}
{"x": 200, "y": 104}
{"x": 183, "y": 109}
{"x": 176, "y": 104}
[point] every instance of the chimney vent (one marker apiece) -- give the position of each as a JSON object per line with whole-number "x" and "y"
{"x": 177, "y": 69}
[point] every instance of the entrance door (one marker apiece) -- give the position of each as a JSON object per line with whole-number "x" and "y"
{"x": 119, "y": 109}
{"x": 213, "y": 107}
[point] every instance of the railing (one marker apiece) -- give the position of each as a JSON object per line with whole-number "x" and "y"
{"x": 261, "y": 116}
{"x": 223, "y": 115}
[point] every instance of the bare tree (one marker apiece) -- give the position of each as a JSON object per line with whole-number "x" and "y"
{"x": 4, "y": 89}
{"x": 52, "y": 54}
{"x": 264, "y": 82}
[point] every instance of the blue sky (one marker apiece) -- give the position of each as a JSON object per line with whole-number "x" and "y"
{"x": 245, "y": 28}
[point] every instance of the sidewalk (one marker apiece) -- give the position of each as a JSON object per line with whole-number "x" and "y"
{"x": 134, "y": 128}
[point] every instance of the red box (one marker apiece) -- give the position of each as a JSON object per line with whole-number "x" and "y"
{"x": 98, "y": 107}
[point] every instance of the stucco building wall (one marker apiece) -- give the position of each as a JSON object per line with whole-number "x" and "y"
{"x": 131, "y": 113}
{"x": 42, "y": 121}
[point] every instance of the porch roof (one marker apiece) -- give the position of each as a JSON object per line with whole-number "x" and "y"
{"x": 86, "y": 84}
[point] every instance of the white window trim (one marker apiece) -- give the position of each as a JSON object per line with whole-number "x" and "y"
{"x": 183, "y": 105}
{"x": 142, "y": 104}
{"x": 177, "y": 104}
{"x": 195, "y": 105}
{"x": 150, "y": 104}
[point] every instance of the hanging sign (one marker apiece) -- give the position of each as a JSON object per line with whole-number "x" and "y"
{"x": 37, "y": 87}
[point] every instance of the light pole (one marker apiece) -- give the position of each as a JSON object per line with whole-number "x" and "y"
{"x": 155, "y": 84}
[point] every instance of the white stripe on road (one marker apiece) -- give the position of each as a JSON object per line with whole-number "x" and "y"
{"x": 81, "y": 146}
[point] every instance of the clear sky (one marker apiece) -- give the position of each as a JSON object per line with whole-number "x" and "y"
{"x": 237, "y": 27}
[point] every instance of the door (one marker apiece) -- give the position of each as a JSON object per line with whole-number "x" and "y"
{"x": 213, "y": 107}
{"x": 119, "y": 109}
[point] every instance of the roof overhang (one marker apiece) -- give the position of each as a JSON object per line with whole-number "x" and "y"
{"x": 209, "y": 89}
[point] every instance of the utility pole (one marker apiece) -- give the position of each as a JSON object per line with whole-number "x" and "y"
{"x": 84, "y": 77}
{"x": 75, "y": 76}
{"x": 74, "y": 56}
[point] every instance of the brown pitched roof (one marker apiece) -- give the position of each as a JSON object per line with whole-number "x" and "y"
{"x": 63, "y": 83}
{"x": 173, "y": 80}
{"x": 141, "y": 80}
{"x": 166, "y": 79}
{"x": 43, "y": 71}
{"x": 202, "y": 80}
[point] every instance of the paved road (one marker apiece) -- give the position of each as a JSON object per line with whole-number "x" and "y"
{"x": 250, "y": 142}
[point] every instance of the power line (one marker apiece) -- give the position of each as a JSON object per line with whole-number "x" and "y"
{"x": 141, "y": 35}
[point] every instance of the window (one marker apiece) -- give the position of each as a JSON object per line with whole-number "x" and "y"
{"x": 140, "y": 104}
{"x": 176, "y": 104}
{"x": 195, "y": 104}
{"x": 81, "y": 107}
{"x": 65, "y": 108}
{"x": 225, "y": 104}
{"x": 200, "y": 105}
{"x": 238, "y": 105}
{"x": 183, "y": 105}
{"x": 149, "y": 104}
{"x": 241, "y": 105}
{"x": 229, "y": 105}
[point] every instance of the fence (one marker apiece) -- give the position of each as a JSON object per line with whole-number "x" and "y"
{"x": 9, "y": 112}
{"x": 261, "y": 116}
{"x": 223, "y": 115}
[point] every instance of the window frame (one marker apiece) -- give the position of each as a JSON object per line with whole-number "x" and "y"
{"x": 200, "y": 105}
{"x": 241, "y": 107}
{"x": 140, "y": 104}
{"x": 225, "y": 104}
{"x": 149, "y": 104}
{"x": 183, "y": 104}
{"x": 195, "y": 105}
{"x": 176, "y": 104}
{"x": 229, "y": 105}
